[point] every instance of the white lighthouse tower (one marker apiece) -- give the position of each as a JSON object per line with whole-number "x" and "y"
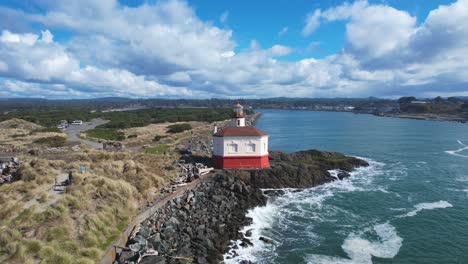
{"x": 238, "y": 116}
{"x": 240, "y": 146}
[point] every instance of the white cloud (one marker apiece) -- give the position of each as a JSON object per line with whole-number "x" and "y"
{"x": 312, "y": 22}
{"x": 164, "y": 49}
{"x": 373, "y": 30}
{"x": 47, "y": 37}
{"x": 279, "y": 50}
{"x": 28, "y": 39}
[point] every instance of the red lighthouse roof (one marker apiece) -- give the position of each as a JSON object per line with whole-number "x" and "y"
{"x": 240, "y": 132}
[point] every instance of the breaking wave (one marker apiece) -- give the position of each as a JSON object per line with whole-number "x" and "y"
{"x": 427, "y": 206}
{"x": 360, "y": 250}
{"x": 283, "y": 212}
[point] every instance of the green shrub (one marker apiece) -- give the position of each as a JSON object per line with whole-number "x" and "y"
{"x": 106, "y": 133}
{"x": 55, "y": 141}
{"x": 157, "y": 138}
{"x": 177, "y": 128}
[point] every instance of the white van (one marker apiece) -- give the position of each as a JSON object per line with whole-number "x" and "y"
{"x": 77, "y": 122}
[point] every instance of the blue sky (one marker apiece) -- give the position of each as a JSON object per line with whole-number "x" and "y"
{"x": 201, "y": 49}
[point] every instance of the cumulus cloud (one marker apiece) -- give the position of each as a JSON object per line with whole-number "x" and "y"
{"x": 165, "y": 49}
{"x": 30, "y": 58}
{"x": 279, "y": 50}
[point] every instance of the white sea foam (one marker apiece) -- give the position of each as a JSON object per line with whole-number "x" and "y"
{"x": 457, "y": 151}
{"x": 428, "y": 206}
{"x": 263, "y": 218}
{"x": 360, "y": 250}
{"x": 308, "y": 204}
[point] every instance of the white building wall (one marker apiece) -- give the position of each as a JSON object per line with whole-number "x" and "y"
{"x": 240, "y": 146}
{"x": 238, "y": 122}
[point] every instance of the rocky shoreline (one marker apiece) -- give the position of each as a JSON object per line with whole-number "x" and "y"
{"x": 198, "y": 226}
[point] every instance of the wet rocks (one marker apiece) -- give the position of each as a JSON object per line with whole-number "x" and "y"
{"x": 198, "y": 226}
{"x": 266, "y": 240}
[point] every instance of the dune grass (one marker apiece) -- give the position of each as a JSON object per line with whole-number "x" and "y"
{"x": 157, "y": 150}
{"x": 81, "y": 223}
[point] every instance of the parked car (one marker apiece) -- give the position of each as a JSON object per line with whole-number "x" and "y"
{"x": 77, "y": 122}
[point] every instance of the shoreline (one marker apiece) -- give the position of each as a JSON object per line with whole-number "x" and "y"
{"x": 426, "y": 117}
{"x": 199, "y": 226}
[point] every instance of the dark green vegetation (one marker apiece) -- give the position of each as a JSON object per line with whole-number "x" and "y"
{"x": 144, "y": 117}
{"x": 48, "y": 117}
{"x": 55, "y": 141}
{"x": 438, "y": 105}
{"x": 106, "y": 133}
{"x": 46, "y": 129}
{"x": 177, "y": 128}
{"x": 157, "y": 138}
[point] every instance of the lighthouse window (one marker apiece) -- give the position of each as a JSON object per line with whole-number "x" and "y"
{"x": 251, "y": 147}
{"x": 238, "y": 122}
{"x": 232, "y": 148}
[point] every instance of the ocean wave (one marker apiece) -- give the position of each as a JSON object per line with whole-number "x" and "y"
{"x": 283, "y": 212}
{"x": 263, "y": 219}
{"x": 361, "y": 250}
{"x": 427, "y": 206}
{"x": 457, "y": 151}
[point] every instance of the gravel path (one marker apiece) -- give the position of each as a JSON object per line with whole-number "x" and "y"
{"x": 73, "y": 131}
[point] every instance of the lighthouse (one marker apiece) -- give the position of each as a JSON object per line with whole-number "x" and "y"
{"x": 238, "y": 146}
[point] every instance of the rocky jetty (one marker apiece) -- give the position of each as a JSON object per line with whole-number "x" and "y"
{"x": 198, "y": 226}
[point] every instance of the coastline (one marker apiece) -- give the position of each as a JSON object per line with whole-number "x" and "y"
{"x": 198, "y": 226}
{"x": 428, "y": 117}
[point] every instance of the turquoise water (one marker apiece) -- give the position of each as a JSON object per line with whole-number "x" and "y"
{"x": 409, "y": 206}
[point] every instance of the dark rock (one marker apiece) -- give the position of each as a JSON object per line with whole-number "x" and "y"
{"x": 201, "y": 260}
{"x": 145, "y": 231}
{"x": 343, "y": 174}
{"x": 199, "y": 225}
{"x": 246, "y": 242}
{"x": 273, "y": 193}
{"x": 153, "y": 260}
{"x": 266, "y": 240}
{"x": 127, "y": 256}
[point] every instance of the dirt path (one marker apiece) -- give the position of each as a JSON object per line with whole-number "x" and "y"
{"x": 54, "y": 193}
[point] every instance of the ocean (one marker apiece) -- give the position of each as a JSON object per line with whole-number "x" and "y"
{"x": 409, "y": 206}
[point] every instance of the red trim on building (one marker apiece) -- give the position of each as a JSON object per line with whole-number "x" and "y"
{"x": 241, "y": 162}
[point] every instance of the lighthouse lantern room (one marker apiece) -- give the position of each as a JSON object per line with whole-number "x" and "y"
{"x": 240, "y": 146}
